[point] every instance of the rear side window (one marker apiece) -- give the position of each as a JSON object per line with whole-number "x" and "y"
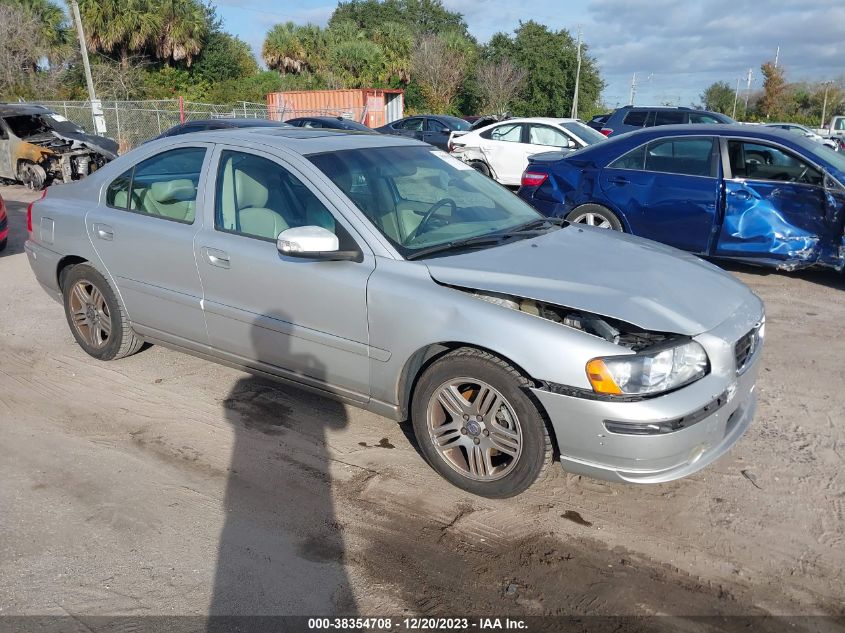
{"x": 669, "y": 117}
{"x": 509, "y": 132}
{"x": 697, "y": 117}
{"x": 163, "y": 186}
{"x": 635, "y": 118}
{"x": 687, "y": 156}
{"x": 635, "y": 159}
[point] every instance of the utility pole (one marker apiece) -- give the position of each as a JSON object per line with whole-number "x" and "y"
{"x": 826, "y": 85}
{"x": 96, "y": 105}
{"x": 736, "y": 98}
{"x": 747, "y": 91}
{"x": 777, "y": 56}
{"x": 574, "y": 113}
{"x": 633, "y": 88}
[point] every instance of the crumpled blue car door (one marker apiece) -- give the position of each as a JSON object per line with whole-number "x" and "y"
{"x": 788, "y": 224}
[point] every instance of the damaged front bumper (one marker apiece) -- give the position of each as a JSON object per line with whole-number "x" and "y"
{"x": 667, "y": 437}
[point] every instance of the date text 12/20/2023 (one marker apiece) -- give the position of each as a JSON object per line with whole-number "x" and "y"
{"x": 417, "y": 624}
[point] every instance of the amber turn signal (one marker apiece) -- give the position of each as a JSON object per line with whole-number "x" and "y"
{"x": 600, "y": 378}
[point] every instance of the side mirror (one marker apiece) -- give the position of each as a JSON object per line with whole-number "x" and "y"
{"x": 312, "y": 242}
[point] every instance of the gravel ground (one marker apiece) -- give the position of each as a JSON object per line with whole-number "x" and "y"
{"x": 162, "y": 484}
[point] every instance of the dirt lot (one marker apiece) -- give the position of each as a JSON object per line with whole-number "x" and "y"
{"x": 162, "y": 484}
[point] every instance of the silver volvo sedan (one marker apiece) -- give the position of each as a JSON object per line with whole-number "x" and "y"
{"x": 383, "y": 272}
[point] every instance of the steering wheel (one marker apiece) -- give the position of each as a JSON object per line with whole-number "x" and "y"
{"x": 430, "y": 214}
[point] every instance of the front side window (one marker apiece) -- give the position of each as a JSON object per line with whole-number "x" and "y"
{"x": 635, "y": 159}
{"x": 259, "y": 198}
{"x": 418, "y": 197}
{"x": 510, "y": 132}
{"x": 163, "y": 186}
{"x": 757, "y": 161}
{"x": 545, "y": 135}
{"x": 686, "y": 156}
{"x": 436, "y": 126}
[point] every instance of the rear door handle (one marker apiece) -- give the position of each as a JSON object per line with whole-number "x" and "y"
{"x": 216, "y": 257}
{"x": 104, "y": 231}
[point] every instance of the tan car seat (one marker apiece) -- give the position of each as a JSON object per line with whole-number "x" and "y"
{"x": 174, "y": 199}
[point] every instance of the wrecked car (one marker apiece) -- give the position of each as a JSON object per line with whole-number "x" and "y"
{"x": 39, "y": 147}
{"x": 748, "y": 193}
{"x": 385, "y": 273}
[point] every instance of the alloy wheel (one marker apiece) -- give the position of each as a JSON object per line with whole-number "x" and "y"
{"x": 90, "y": 314}
{"x": 593, "y": 219}
{"x": 474, "y": 429}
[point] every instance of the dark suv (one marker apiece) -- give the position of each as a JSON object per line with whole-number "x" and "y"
{"x": 630, "y": 118}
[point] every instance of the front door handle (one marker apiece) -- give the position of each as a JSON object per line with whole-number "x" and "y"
{"x": 104, "y": 232}
{"x": 216, "y": 257}
{"x": 619, "y": 180}
{"x": 742, "y": 194}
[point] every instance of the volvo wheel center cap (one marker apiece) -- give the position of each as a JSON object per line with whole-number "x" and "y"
{"x": 473, "y": 428}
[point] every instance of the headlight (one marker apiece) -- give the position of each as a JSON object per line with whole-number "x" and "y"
{"x": 648, "y": 373}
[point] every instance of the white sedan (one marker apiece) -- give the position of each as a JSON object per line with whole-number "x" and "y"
{"x": 501, "y": 150}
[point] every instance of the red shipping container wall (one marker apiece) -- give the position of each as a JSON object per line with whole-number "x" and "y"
{"x": 372, "y": 106}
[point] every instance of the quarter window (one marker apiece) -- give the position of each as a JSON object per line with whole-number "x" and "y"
{"x": 756, "y": 161}
{"x": 635, "y": 159}
{"x": 259, "y": 198}
{"x": 414, "y": 125}
{"x": 163, "y": 186}
{"x": 687, "y": 156}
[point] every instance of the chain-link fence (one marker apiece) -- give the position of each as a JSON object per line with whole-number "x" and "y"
{"x": 131, "y": 123}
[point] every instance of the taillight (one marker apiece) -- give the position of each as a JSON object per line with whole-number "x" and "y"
{"x": 29, "y": 211}
{"x": 533, "y": 178}
{"x": 606, "y": 131}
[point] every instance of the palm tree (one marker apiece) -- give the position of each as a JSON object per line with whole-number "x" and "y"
{"x": 122, "y": 27}
{"x": 397, "y": 42}
{"x": 283, "y": 49}
{"x": 54, "y": 31}
{"x": 185, "y": 27}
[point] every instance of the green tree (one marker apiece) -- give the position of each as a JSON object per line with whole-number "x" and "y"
{"x": 184, "y": 28}
{"x": 718, "y": 97}
{"x": 422, "y": 16}
{"x": 773, "y": 104}
{"x": 549, "y": 58}
{"x": 284, "y": 49}
{"x": 224, "y": 57}
{"x": 121, "y": 28}
{"x": 54, "y": 31}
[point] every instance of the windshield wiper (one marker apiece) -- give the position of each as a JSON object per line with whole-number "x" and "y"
{"x": 480, "y": 240}
{"x": 534, "y": 225}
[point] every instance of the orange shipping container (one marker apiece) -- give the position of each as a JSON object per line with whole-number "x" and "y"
{"x": 371, "y": 106}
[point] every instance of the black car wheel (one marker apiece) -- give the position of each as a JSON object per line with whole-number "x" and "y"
{"x": 481, "y": 168}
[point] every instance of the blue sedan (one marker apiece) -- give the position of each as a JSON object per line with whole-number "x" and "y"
{"x": 732, "y": 191}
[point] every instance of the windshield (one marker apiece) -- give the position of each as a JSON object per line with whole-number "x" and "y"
{"x": 25, "y": 125}
{"x": 456, "y": 124}
{"x": 832, "y": 157}
{"x": 419, "y": 197}
{"x": 584, "y": 132}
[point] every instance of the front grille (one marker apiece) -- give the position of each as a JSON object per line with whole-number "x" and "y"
{"x": 745, "y": 349}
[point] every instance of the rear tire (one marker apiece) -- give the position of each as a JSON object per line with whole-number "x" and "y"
{"x": 481, "y": 168}
{"x": 595, "y": 215}
{"x": 96, "y": 316}
{"x": 3, "y": 245}
{"x": 478, "y": 425}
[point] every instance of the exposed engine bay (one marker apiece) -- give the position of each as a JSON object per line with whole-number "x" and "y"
{"x": 612, "y": 330}
{"x": 39, "y": 147}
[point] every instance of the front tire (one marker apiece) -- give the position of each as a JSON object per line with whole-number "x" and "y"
{"x": 481, "y": 168}
{"x": 3, "y": 244}
{"x": 96, "y": 316}
{"x": 478, "y": 425}
{"x": 595, "y": 215}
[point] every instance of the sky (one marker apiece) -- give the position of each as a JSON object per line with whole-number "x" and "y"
{"x": 676, "y": 47}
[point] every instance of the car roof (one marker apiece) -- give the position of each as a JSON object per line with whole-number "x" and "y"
{"x": 540, "y": 119}
{"x": 636, "y": 138}
{"x": 236, "y": 122}
{"x": 9, "y": 109}
{"x": 300, "y": 140}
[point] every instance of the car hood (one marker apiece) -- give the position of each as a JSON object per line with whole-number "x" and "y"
{"x": 650, "y": 285}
